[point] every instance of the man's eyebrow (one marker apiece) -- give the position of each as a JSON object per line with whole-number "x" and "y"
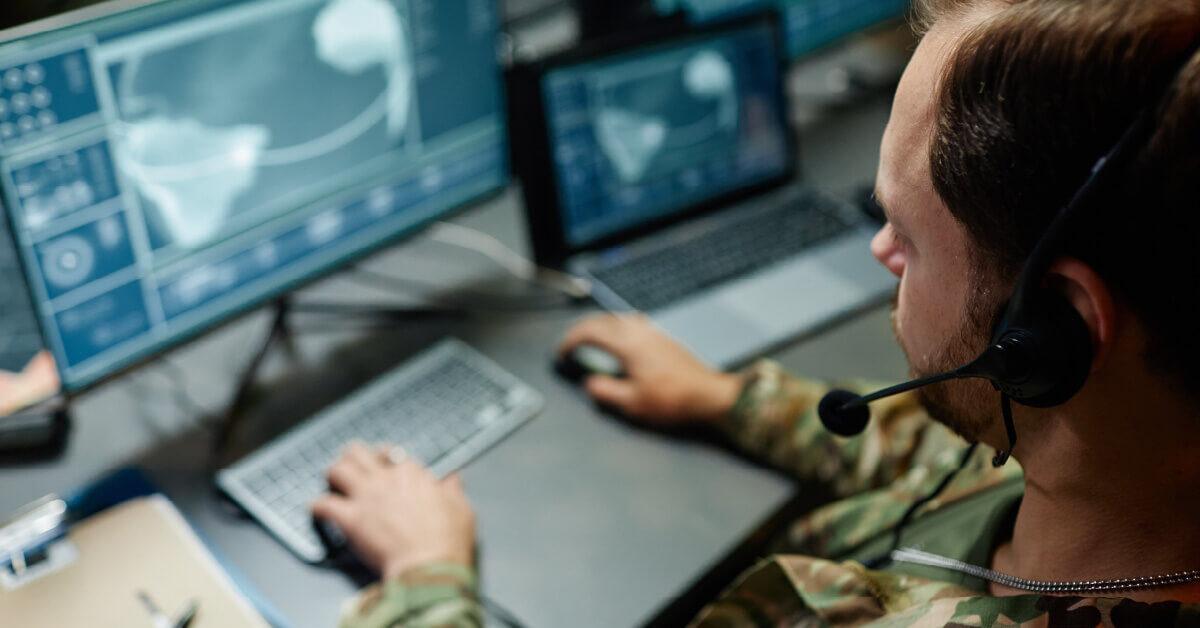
{"x": 878, "y": 198}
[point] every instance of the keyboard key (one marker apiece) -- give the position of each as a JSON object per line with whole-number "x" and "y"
{"x": 488, "y": 414}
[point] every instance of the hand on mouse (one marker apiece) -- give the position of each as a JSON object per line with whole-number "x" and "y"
{"x": 395, "y": 514}
{"x": 664, "y": 384}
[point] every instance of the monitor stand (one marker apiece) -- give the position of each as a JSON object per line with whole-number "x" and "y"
{"x": 279, "y": 332}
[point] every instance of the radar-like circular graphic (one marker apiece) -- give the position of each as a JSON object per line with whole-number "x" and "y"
{"x": 68, "y": 261}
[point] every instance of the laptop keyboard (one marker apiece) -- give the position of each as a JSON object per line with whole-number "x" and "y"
{"x": 443, "y": 407}
{"x": 759, "y": 239}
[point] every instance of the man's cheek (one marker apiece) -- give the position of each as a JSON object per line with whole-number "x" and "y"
{"x": 917, "y": 322}
{"x": 907, "y": 310}
{"x": 906, "y": 328}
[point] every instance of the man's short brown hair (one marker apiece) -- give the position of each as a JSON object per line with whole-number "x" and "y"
{"x": 1031, "y": 99}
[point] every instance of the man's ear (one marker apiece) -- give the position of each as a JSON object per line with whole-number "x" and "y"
{"x": 1092, "y": 298}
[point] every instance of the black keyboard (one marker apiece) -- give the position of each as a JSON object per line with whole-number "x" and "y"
{"x": 761, "y": 238}
{"x": 443, "y": 407}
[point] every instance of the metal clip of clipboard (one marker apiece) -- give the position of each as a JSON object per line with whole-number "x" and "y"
{"x": 34, "y": 543}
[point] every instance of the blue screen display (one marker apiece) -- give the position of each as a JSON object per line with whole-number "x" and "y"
{"x": 809, "y": 24}
{"x": 168, "y": 166}
{"x": 643, "y": 135}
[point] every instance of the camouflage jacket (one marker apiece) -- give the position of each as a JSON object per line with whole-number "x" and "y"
{"x": 818, "y": 577}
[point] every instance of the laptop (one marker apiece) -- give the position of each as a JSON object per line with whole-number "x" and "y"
{"x": 662, "y": 167}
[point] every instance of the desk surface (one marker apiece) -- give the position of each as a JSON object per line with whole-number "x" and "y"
{"x": 583, "y": 520}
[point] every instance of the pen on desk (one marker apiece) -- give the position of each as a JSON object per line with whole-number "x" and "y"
{"x": 189, "y": 614}
{"x": 162, "y": 621}
{"x": 156, "y": 616}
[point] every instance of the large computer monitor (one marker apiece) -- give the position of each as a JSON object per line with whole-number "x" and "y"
{"x": 167, "y": 165}
{"x": 809, "y": 24}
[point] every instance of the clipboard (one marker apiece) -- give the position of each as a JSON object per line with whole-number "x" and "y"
{"x": 87, "y": 560}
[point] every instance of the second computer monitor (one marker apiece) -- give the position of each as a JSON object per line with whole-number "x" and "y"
{"x": 167, "y": 165}
{"x": 640, "y": 136}
{"x": 809, "y": 24}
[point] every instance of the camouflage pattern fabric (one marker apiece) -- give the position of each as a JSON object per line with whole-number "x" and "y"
{"x": 440, "y": 595}
{"x": 776, "y": 420}
{"x": 803, "y": 592}
{"x": 877, "y": 475}
{"x": 902, "y": 456}
{"x": 818, "y": 577}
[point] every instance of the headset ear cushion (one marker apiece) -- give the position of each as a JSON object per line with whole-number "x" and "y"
{"x": 1062, "y": 350}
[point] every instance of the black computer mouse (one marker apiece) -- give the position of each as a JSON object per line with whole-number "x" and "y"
{"x": 332, "y": 538}
{"x": 586, "y": 360}
{"x": 340, "y": 555}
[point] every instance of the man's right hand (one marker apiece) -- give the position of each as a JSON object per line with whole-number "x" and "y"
{"x": 664, "y": 385}
{"x": 396, "y": 515}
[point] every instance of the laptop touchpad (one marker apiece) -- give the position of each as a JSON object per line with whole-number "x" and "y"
{"x": 713, "y": 334}
{"x": 795, "y": 295}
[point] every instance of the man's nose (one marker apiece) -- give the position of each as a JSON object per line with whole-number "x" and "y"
{"x": 886, "y": 250}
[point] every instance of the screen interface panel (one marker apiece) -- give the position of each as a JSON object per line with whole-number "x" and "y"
{"x": 168, "y": 166}
{"x": 644, "y": 135}
{"x": 809, "y": 24}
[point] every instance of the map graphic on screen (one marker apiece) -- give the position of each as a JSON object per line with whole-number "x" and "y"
{"x": 172, "y": 164}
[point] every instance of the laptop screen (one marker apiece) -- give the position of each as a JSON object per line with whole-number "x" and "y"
{"x": 640, "y": 136}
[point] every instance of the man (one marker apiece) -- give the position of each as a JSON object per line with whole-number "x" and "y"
{"x": 997, "y": 121}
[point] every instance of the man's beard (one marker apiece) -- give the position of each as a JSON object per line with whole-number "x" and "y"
{"x": 964, "y": 406}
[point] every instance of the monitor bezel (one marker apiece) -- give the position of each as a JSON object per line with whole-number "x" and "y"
{"x": 783, "y": 6}
{"x": 14, "y": 35}
{"x": 533, "y": 156}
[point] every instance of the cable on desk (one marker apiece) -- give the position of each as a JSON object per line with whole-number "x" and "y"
{"x": 501, "y": 614}
{"x": 371, "y": 310}
{"x": 136, "y": 390}
{"x": 530, "y": 13}
{"x": 335, "y": 317}
{"x": 178, "y": 379}
{"x": 487, "y": 245}
{"x": 479, "y": 301}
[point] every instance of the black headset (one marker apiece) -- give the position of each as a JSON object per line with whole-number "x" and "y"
{"x": 1040, "y": 352}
